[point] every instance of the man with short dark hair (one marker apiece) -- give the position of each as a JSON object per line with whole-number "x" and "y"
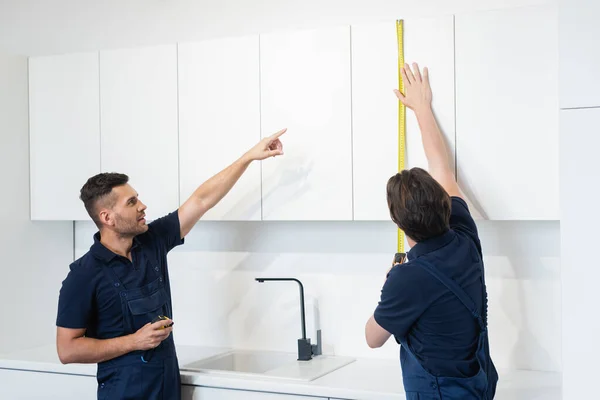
{"x": 435, "y": 304}
{"x": 113, "y": 294}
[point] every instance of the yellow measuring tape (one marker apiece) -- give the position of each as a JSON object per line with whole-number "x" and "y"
{"x": 401, "y": 115}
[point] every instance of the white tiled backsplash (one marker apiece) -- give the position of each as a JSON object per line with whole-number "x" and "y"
{"x": 342, "y": 266}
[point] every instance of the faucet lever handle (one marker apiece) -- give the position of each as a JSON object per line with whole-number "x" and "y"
{"x": 317, "y": 349}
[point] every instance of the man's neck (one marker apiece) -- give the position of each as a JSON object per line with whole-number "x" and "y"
{"x": 411, "y": 243}
{"x": 116, "y": 243}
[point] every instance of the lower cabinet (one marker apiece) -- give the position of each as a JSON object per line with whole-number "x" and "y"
{"x": 206, "y": 393}
{"x": 29, "y": 385}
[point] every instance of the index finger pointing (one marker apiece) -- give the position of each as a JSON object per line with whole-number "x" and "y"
{"x": 277, "y": 134}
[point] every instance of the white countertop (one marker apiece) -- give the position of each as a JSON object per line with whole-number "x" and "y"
{"x": 367, "y": 379}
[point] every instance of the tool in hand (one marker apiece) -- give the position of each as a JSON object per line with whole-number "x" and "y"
{"x": 399, "y": 258}
{"x": 147, "y": 356}
{"x": 159, "y": 318}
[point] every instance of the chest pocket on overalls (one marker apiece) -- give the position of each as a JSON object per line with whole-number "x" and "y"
{"x": 145, "y": 309}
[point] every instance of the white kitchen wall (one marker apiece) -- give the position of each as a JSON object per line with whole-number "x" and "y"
{"x": 579, "y": 171}
{"x": 342, "y": 266}
{"x": 34, "y": 254}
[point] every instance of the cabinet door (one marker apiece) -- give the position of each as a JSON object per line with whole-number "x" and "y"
{"x": 507, "y": 112}
{"x": 429, "y": 42}
{"x": 64, "y": 131}
{"x": 205, "y": 393}
{"x": 138, "y": 92}
{"x": 579, "y": 53}
{"x": 28, "y": 385}
{"x": 219, "y": 120}
{"x": 305, "y": 87}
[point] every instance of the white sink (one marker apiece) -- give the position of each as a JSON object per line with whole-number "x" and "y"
{"x": 243, "y": 361}
{"x": 268, "y": 364}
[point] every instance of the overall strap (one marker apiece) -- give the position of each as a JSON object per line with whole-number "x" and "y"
{"x": 455, "y": 289}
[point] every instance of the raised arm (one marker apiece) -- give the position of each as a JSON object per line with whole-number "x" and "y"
{"x": 417, "y": 97}
{"x": 213, "y": 190}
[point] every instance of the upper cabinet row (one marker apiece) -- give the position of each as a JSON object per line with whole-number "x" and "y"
{"x": 172, "y": 116}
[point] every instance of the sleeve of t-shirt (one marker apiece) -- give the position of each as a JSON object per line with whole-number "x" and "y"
{"x": 402, "y": 302}
{"x": 166, "y": 231}
{"x": 462, "y": 221}
{"x": 76, "y": 300}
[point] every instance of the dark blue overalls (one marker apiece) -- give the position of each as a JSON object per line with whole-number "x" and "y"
{"x": 147, "y": 375}
{"x": 421, "y": 385}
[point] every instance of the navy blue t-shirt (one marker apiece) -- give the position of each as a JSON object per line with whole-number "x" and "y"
{"x": 415, "y": 306}
{"x": 88, "y": 299}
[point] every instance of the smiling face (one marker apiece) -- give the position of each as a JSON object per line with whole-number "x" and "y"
{"x": 123, "y": 212}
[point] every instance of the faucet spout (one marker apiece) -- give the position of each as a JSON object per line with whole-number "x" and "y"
{"x": 305, "y": 349}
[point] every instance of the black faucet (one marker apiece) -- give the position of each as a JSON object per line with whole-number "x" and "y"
{"x": 305, "y": 349}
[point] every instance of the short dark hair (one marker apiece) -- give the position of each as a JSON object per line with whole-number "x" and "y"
{"x": 97, "y": 188}
{"x": 418, "y": 204}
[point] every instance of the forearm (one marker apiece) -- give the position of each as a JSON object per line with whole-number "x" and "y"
{"x": 214, "y": 189}
{"x": 433, "y": 142}
{"x": 88, "y": 350}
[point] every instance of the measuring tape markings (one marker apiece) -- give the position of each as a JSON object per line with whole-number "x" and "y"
{"x": 401, "y": 115}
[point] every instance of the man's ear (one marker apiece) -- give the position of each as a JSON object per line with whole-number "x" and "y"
{"x": 105, "y": 217}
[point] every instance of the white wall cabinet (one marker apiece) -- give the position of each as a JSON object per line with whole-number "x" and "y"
{"x": 64, "y": 128}
{"x": 219, "y": 120}
{"x": 138, "y": 92}
{"x": 206, "y": 393}
{"x": 375, "y": 108}
{"x": 305, "y": 87}
{"x": 579, "y": 53}
{"x": 29, "y": 385}
{"x": 507, "y": 112}
{"x": 171, "y": 119}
